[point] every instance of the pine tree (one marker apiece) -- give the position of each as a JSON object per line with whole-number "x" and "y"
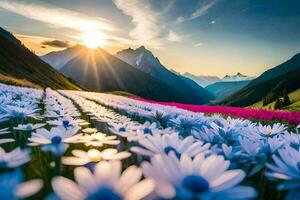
{"x": 278, "y": 104}
{"x": 286, "y": 99}
{"x": 264, "y": 101}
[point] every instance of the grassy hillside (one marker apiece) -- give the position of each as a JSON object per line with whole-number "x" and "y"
{"x": 294, "y": 106}
{"x": 19, "y": 82}
{"x": 252, "y": 94}
{"x": 284, "y": 77}
{"x": 17, "y": 62}
{"x": 122, "y": 93}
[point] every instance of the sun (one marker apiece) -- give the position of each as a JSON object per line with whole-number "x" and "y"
{"x": 93, "y": 39}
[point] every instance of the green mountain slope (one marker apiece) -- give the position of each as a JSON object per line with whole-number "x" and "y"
{"x": 294, "y": 106}
{"x": 18, "y": 62}
{"x": 284, "y": 77}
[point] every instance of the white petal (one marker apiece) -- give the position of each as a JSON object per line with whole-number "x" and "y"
{"x": 140, "y": 190}
{"x": 79, "y": 153}
{"x": 103, "y": 172}
{"x": 141, "y": 151}
{"x": 6, "y": 140}
{"x": 106, "y": 153}
{"x": 28, "y": 188}
{"x": 85, "y": 179}
{"x": 129, "y": 177}
{"x": 165, "y": 190}
{"x": 227, "y": 180}
{"x": 186, "y": 164}
{"x": 74, "y": 161}
{"x": 66, "y": 189}
{"x": 120, "y": 156}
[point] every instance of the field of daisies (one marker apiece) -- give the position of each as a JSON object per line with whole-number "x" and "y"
{"x": 74, "y": 145}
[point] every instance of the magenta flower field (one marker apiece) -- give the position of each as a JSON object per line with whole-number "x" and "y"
{"x": 247, "y": 113}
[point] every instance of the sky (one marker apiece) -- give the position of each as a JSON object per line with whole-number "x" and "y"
{"x": 203, "y": 37}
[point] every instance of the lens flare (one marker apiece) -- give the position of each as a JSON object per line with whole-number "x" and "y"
{"x": 93, "y": 39}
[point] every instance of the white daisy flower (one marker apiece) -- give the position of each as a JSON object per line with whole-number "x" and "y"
{"x": 89, "y": 130}
{"x": 22, "y": 112}
{"x": 122, "y": 129}
{"x": 15, "y": 158}
{"x": 198, "y": 178}
{"x": 156, "y": 144}
{"x": 56, "y": 112}
{"x": 29, "y": 127}
{"x": 56, "y": 139}
{"x": 270, "y": 131}
{"x": 99, "y": 139}
{"x": 93, "y": 156}
{"x": 106, "y": 182}
{"x": 68, "y": 122}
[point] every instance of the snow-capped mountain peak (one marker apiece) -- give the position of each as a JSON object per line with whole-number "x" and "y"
{"x": 236, "y": 77}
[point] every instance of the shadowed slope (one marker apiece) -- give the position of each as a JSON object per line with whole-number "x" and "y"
{"x": 98, "y": 70}
{"x": 18, "y": 62}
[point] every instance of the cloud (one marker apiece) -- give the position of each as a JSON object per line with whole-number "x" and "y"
{"x": 199, "y": 44}
{"x": 56, "y": 43}
{"x": 35, "y": 43}
{"x": 143, "y": 18}
{"x": 201, "y": 10}
{"x": 173, "y": 37}
{"x": 56, "y": 16}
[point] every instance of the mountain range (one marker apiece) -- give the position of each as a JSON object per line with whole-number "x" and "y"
{"x": 284, "y": 77}
{"x": 224, "y": 89}
{"x": 144, "y": 60}
{"x": 19, "y": 64}
{"x": 135, "y": 71}
{"x": 205, "y": 81}
{"x": 139, "y": 72}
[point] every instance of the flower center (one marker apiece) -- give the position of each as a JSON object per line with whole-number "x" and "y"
{"x": 169, "y": 148}
{"x": 57, "y": 112}
{"x": 195, "y": 184}
{"x": 104, "y": 193}
{"x": 268, "y": 132}
{"x": 66, "y": 123}
{"x": 3, "y": 164}
{"x": 29, "y": 127}
{"x": 94, "y": 155}
{"x": 56, "y": 140}
{"x": 122, "y": 129}
{"x": 147, "y": 131}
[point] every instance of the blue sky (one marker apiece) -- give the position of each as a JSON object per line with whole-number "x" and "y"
{"x": 212, "y": 37}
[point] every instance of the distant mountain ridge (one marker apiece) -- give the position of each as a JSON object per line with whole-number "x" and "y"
{"x": 141, "y": 60}
{"x": 18, "y": 62}
{"x": 205, "y": 81}
{"x": 284, "y": 77}
{"x": 226, "y": 88}
{"x": 236, "y": 77}
{"x": 58, "y": 59}
{"x": 144, "y": 60}
{"x": 100, "y": 71}
{"x": 202, "y": 80}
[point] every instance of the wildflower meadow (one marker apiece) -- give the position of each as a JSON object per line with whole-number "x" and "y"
{"x": 75, "y": 145}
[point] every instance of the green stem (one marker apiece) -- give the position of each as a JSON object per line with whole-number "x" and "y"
{"x": 57, "y": 169}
